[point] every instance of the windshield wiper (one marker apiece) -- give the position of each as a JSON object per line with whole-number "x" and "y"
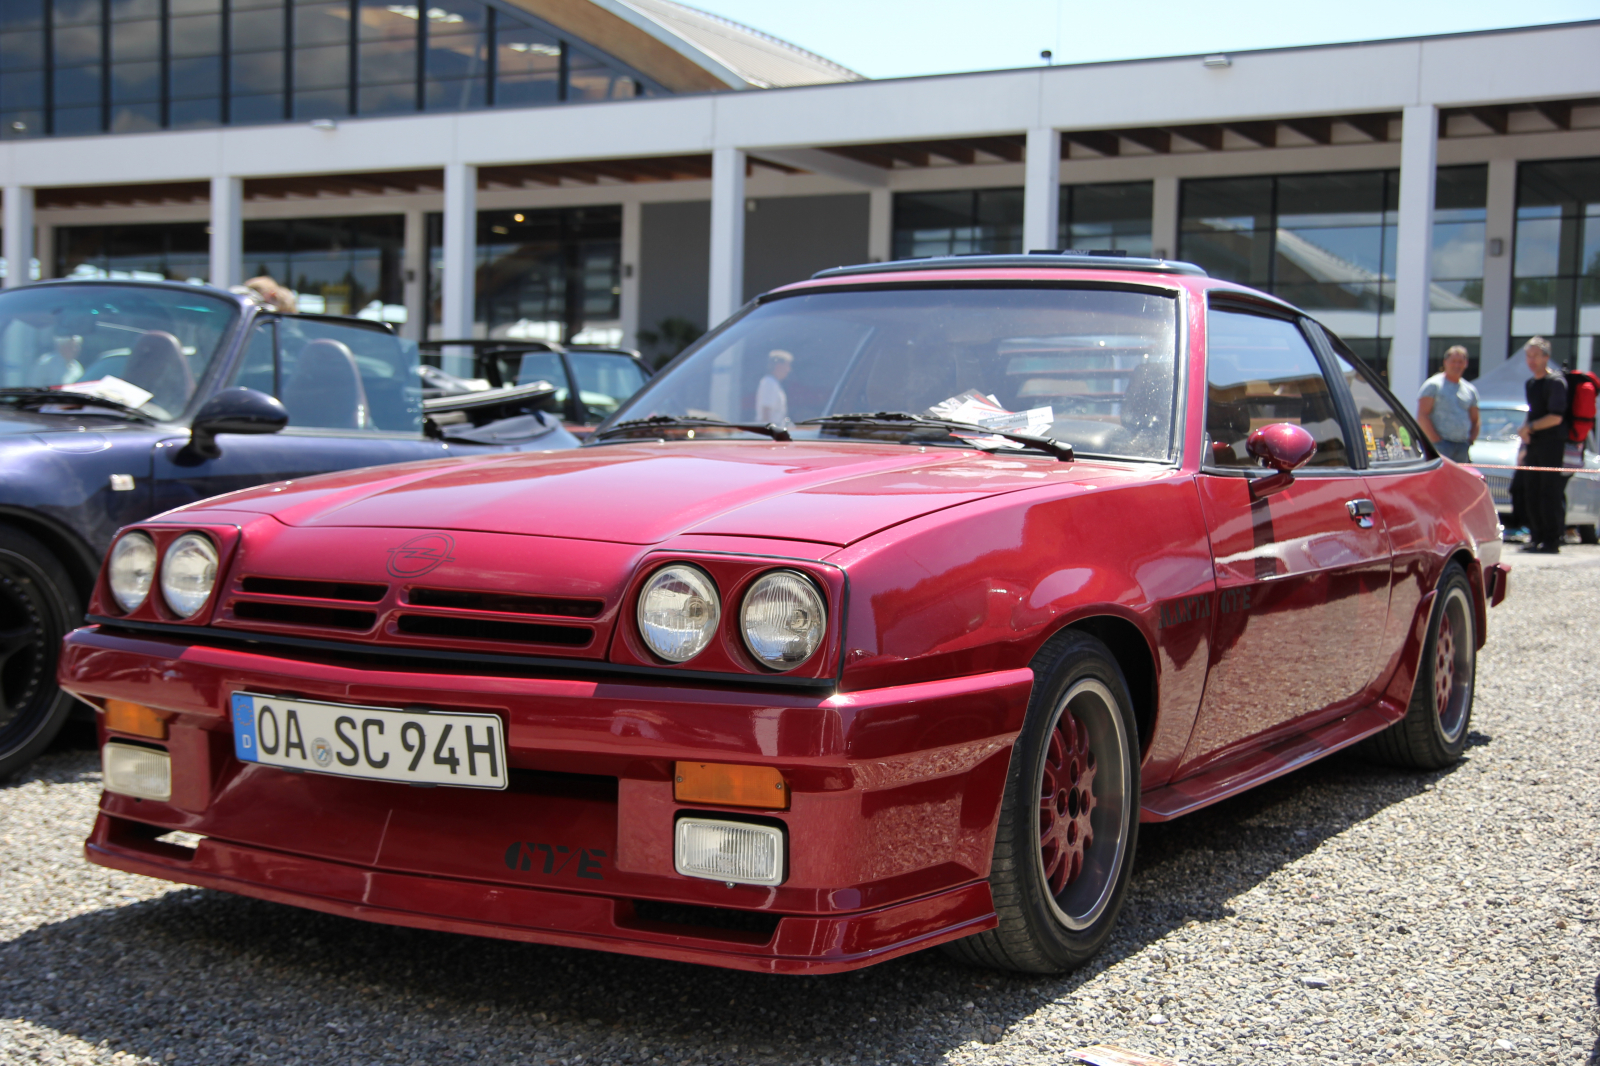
{"x": 693, "y": 422}
{"x": 1060, "y": 449}
{"x": 31, "y": 397}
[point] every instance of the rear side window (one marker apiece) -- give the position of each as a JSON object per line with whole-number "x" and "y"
{"x": 1386, "y": 436}
{"x": 1260, "y": 371}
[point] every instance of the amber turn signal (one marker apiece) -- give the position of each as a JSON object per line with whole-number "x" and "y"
{"x": 727, "y": 785}
{"x": 136, "y": 719}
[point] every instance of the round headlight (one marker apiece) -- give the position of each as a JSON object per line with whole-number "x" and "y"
{"x": 783, "y": 619}
{"x": 131, "y": 569}
{"x": 188, "y": 573}
{"x": 678, "y": 612}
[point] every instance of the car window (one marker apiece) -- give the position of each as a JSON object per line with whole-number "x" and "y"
{"x": 1094, "y": 368}
{"x": 334, "y": 376}
{"x": 1259, "y": 371}
{"x": 544, "y": 366}
{"x": 1386, "y": 436}
{"x": 605, "y": 379}
{"x": 1500, "y": 423}
{"x": 161, "y": 340}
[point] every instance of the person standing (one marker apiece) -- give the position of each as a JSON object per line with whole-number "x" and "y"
{"x": 1546, "y": 490}
{"x": 1448, "y": 408}
{"x": 772, "y": 402}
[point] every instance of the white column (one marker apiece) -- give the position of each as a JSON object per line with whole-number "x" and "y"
{"x": 1041, "y": 191}
{"x": 227, "y": 232}
{"x": 632, "y": 242}
{"x": 459, "y": 280}
{"x": 18, "y": 222}
{"x": 1408, "y": 353}
{"x": 1500, "y": 224}
{"x": 727, "y": 235}
{"x": 1164, "y": 219}
{"x": 880, "y": 225}
{"x": 45, "y": 248}
{"x": 414, "y": 271}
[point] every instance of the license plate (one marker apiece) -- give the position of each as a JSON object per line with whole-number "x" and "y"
{"x": 377, "y": 743}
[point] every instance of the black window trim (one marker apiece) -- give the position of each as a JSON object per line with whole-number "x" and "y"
{"x": 1247, "y": 304}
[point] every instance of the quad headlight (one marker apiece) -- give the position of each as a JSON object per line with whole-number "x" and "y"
{"x": 783, "y": 619}
{"x": 678, "y": 612}
{"x": 131, "y": 570}
{"x": 188, "y": 573}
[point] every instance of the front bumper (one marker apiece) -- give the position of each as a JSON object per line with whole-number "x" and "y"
{"x": 894, "y": 797}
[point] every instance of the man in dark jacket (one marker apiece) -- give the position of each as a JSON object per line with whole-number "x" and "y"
{"x": 1546, "y": 442}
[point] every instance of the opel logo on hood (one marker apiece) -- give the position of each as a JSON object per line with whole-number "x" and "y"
{"x": 419, "y": 555}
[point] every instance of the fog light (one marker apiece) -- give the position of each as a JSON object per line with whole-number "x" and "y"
{"x": 729, "y": 851}
{"x": 135, "y": 718}
{"x": 142, "y": 772}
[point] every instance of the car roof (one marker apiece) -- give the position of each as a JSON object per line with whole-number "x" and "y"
{"x": 1051, "y": 260}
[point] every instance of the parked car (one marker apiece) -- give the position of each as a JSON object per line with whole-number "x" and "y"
{"x": 121, "y": 399}
{"x": 591, "y": 381}
{"x": 1497, "y": 449}
{"x": 1046, "y": 547}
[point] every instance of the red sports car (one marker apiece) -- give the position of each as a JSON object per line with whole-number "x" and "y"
{"x": 880, "y": 620}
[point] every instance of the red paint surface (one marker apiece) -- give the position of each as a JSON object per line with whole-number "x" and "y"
{"x": 1256, "y": 635}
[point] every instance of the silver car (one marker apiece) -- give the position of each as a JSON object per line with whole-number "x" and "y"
{"x": 1497, "y": 446}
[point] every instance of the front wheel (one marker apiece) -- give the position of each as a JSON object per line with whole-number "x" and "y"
{"x": 1064, "y": 847}
{"x": 1433, "y": 734}
{"x": 37, "y": 607}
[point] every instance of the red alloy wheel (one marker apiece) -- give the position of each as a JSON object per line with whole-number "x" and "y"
{"x": 1066, "y": 802}
{"x": 1444, "y": 666}
{"x": 1453, "y": 663}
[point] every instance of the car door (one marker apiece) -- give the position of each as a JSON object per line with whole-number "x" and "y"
{"x": 354, "y": 400}
{"x": 1302, "y": 574}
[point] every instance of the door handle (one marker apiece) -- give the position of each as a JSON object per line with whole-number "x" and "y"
{"x": 1361, "y": 512}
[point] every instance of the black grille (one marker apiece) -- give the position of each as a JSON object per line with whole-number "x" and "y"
{"x": 315, "y": 590}
{"x": 423, "y": 625}
{"x": 505, "y": 603}
{"x": 762, "y": 923}
{"x": 296, "y": 614}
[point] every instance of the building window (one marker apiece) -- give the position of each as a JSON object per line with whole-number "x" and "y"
{"x": 336, "y": 266}
{"x": 550, "y": 275}
{"x": 168, "y": 251}
{"x": 957, "y": 223}
{"x": 1326, "y": 243}
{"x": 1113, "y": 217}
{"x": 1557, "y": 265}
{"x": 75, "y": 67}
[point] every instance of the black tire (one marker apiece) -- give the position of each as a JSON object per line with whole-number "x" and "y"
{"x": 1433, "y": 734}
{"x": 37, "y": 607}
{"x": 1588, "y": 535}
{"x": 1053, "y": 919}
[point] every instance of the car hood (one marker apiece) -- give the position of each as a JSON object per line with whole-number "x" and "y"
{"x": 826, "y": 492}
{"x": 15, "y": 421}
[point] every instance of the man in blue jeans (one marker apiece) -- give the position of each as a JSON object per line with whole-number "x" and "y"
{"x": 1448, "y": 408}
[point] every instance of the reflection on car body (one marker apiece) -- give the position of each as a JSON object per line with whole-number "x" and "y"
{"x": 817, "y": 660}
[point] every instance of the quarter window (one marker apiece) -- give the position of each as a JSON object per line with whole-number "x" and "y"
{"x": 1386, "y": 436}
{"x": 1260, "y": 371}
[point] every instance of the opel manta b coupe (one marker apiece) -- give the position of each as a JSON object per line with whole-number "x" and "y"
{"x": 880, "y": 620}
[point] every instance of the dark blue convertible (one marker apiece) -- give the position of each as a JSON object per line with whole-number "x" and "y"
{"x": 120, "y": 399}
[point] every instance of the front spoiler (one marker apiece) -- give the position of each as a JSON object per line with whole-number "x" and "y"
{"x": 801, "y": 944}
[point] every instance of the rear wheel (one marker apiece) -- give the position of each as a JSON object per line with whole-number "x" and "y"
{"x": 1433, "y": 734}
{"x": 37, "y": 607}
{"x": 1064, "y": 846}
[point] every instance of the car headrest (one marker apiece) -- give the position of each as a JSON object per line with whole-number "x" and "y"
{"x": 156, "y": 364}
{"x": 324, "y": 389}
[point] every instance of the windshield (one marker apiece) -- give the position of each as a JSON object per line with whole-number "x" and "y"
{"x": 1500, "y": 423}
{"x": 159, "y": 341}
{"x": 1093, "y": 368}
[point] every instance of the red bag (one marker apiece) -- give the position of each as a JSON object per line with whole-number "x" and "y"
{"x": 1582, "y": 390}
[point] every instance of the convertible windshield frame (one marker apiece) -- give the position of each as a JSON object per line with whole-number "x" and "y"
{"x": 1173, "y": 290}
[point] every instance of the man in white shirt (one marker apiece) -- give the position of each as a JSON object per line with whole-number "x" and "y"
{"x": 772, "y": 403}
{"x": 1448, "y": 408}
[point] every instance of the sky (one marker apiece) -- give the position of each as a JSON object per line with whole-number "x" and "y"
{"x": 905, "y": 38}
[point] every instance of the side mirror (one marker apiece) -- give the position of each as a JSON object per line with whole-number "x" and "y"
{"x": 1285, "y": 448}
{"x": 236, "y": 410}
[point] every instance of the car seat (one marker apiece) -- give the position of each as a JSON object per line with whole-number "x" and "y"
{"x": 324, "y": 389}
{"x": 156, "y": 364}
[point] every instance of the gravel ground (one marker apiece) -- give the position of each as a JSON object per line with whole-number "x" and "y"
{"x": 1346, "y": 914}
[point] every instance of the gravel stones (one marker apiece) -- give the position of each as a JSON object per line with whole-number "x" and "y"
{"x": 1346, "y": 914}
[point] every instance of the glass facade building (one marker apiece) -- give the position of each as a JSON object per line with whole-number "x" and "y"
{"x": 93, "y": 66}
{"x": 553, "y": 274}
{"x": 1557, "y": 266}
{"x": 172, "y": 251}
{"x": 966, "y": 221}
{"x": 1326, "y": 242}
{"x": 1112, "y": 216}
